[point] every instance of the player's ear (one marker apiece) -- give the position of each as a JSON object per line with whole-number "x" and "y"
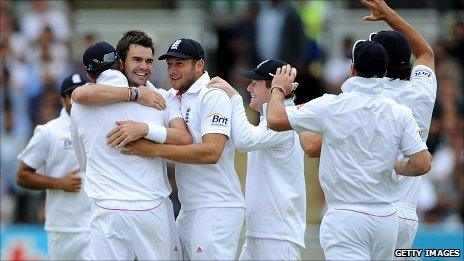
{"x": 353, "y": 71}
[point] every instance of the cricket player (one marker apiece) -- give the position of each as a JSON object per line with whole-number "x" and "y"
{"x": 129, "y": 215}
{"x": 275, "y": 195}
{"x": 362, "y": 133}
{"x": 415, "y": 89}
{"x": 136, "y": 50}
{"x": 48, "y": 163}
{"x": 212, "y": 211}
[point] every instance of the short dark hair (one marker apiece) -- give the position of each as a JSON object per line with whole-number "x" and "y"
{"x": 399, "y": 71}
{"x": 114, "y": 66}
{"x": 133, "y": 37}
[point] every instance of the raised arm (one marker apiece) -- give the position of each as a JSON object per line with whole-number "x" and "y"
{"x": 281, "y": 85}
{"x": 419, "y": 46}
{"x": 99, "y": 94}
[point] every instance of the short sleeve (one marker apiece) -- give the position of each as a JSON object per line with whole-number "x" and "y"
{"x": 412, "y": 138}
{"x": 172, "y": 106}
{"x": 36, "y": 152}
{"x": 424, "y": 78}
{"x": 309, "y": 116}
{"x": 216, "y": 112}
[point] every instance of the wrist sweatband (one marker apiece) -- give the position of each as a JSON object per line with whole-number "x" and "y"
{"x": 156, "y": 133}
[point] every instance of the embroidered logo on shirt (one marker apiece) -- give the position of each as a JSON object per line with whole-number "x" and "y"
{"x": 218, "y": 119}
{"x": 187, "y": 113}
{"x": 299, "y": 106}
{"x": 199, "y": 250}
{"x": 67, "y": 143}
{"x": 422, "y": 73}
{"x": 175, "y": 249}
{"x": 420, "y": 134}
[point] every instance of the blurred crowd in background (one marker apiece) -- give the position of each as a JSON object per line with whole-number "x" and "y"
{"x": 36, "y": 55}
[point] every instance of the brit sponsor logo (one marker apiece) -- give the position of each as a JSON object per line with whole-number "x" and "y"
{"x": 218, "y": 119}
{"x": 67, "y": 143}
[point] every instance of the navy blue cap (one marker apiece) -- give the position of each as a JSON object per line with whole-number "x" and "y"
{"x": 396, "y": 45}
{"x": 184, "y": 48}
{"x": 99, "y": 55}
{"x": 264, "y": 69}
{"x": 72, "y": 82}
{"x": 370, "y": 58}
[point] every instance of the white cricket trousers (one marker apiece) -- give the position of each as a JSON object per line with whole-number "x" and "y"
{"x": 68, "y": 245}
{"x": 354, "y": 235}
{"x": 407, "y": 225}
{"x": 210, "y": 233}
{"x": 256, "y": 248}
{"x": 119, "y": 232}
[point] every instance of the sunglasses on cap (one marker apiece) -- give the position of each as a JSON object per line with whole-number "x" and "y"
{"x": 95, "y": 64}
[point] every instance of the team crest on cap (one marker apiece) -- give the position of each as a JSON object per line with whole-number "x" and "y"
{"x": 76, "y": 78}
{"x": 176, "y": 44}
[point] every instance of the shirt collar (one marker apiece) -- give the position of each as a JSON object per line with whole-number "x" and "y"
{"x": 65, "y": 116}
{"x": 198, "y": 85}
{"x": 287, "y": 102}
{"x": 363, "y": 85}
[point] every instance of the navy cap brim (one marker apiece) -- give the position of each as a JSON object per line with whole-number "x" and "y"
{"x": 253, "y": 75}
{"x": 72, "y": 87}
{"x": 175, "y": 54}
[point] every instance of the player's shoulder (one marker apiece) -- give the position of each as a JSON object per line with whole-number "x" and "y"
{"x": 112, "y": 77}
{"x": 207, "y": 95}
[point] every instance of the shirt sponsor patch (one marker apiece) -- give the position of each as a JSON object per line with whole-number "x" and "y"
{"x": 422, "y": 72}
{"x": 67, "y": 143}
{"x": 218, "y": 120}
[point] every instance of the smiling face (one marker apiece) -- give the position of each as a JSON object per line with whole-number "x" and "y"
{"x": 138, "y": 65}
{"x": 184, "y": 72}
{"x": 260, "y": 94}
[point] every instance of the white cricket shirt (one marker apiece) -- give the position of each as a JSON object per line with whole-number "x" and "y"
{"x": 275, "y": 194}
{"x": 208, "y": 185}
{"x": 362, "y": 133}
{"x": 112, "y": 176}
{"x": 418, "y": 94}
{"x": 50, "y": 151}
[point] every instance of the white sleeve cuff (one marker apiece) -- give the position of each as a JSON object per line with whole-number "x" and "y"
{"x": 156, "y": 133}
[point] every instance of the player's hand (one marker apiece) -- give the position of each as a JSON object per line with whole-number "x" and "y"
{"x": 141, "y": 147}
{"x": 219, "y": 83}
{"x": 151, "y": 98}
{"x": 72, "y": 182}
{"x": 379, "y": 10}
{"x": 284, "y": 78}
{"x": 125, "y": 132}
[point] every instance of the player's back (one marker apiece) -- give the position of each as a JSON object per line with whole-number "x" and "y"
{"x": 110, "y": 174}
{"x": 363, "y": 133}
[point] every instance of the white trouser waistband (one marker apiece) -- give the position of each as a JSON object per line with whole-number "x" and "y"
{"x": 405, "y": 206}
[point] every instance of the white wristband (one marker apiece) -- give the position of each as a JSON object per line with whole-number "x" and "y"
{"x": 156, "y": 133}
